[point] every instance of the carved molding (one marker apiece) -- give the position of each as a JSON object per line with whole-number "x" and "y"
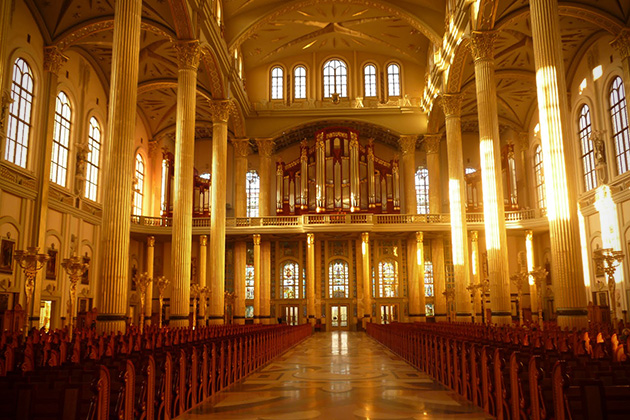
{"x": 407, "y": 144}
{"x": 188, "y": 54}
{"x": 432, "y": 143}
{"x": 220, "y": 110}
{"x": 482, "y": 44}
{"x": 151, "y": 241}
{"x": 622, "y": 43}
{"x": 241, "y": 147}
{"x": 257, "y": 239}
{"x": 265, "y": 146}
{"x": 451, "y": 104}
{"x": 53, "y": 59}
{"x": 203, "y": 240}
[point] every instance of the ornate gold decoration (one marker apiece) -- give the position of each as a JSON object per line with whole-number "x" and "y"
{"x": 53, "y": 59}
{"x": 188, "y": 54}
{"x": 31, "y": 262}
{"x": 474, "y": 236}
{"x": 154, "y": 145}
{"x": 622, "y": 43}
{"x": 451, "y": 104}
{"x": 482, "y": 45}
{"x": 80, "y": 170}
{"x": 220, "y": 110}
{"x": 143, "y": 282}
{"x": 432, "y": 143}
{"x": 74, "y": 267}
{"x": 310, "y": 239}
{"x": 265, "y": 146}
{"x": 607, "y": 260}
{"x": 241, "y": 147}
{"x": 257, "y": 239}
{"x": 151, "y": 241}
{"x": 365, "y": 237}
{"x": 408, "y": 144}
{"x": 161, "y": 283}
{"x": 203, "y": 240}
{"x": 419, "y": 237}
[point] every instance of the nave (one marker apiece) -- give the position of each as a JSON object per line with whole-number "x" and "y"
{"x": 336, "y": 375}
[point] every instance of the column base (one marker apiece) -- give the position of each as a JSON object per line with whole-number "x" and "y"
{"x": 111, "y": 323}
{"x": 572, "y": 317}
{"x": 463, "y": 317}
{"x": 502, "y": 318}
{"x": 441, "y": 318}
{"x": 417, "y": 317}
{"x": 215, "y": 320}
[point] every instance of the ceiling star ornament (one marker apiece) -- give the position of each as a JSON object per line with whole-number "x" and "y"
{"x": 482, "y": 44}
{"x": 220, "y": 109}
{"x": 53, "y": 59}
{"x": 432, "y": 143}
{"x": 188, "y": 54}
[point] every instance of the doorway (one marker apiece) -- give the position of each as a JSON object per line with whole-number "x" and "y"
{"x": 339, "y": 317}
{"x": 292, "y": 314}
{"x": 389, "y": 313}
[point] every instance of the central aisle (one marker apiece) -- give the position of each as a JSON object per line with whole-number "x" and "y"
{"x": 337, "y": 375}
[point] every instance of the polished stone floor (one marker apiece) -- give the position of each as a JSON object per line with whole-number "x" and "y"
{"x": 336, "y": 375}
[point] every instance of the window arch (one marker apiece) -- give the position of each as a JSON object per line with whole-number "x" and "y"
{"x": 20, "y": 113}
{"x": 369, "y": 80}
{"x": 277, "y": 83}
{"x": 299, "y": 82}
{"x": 338, "y": 279}
{"x": 422, "y": 190}
{"x": 393, "y": 80}
{"x": 588, "y": 155}
{"x": 539, "y": 175}
{"x": 335, "y": 78}
{"x": 93, "y": 159}
{"x": 290, "y": 281}
{"x": 61, "y": 140}
{"x": 619, "y": 117}
{"x": 253, "y": 193}
{"x": 138, "y": 191}
{"x": 388, "y": 278}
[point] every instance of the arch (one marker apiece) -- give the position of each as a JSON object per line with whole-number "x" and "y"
{"x": 584, "y": 125}
{"x": 300, "y": 81}
{"x": 370, "y": 80}
{"x": 276, "y": 79}
{"x": 394, "y": 79}
{"x": 18, "y": 141}
{"x": 617, "y": 106}
{"x": 335, "y": 77}
{"x": 60, "y": 158}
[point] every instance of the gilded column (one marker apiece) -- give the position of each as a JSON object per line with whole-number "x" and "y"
{"x": 241, "y": 151}
{"x": 367, "y": 281}
{"x": 265, "y": 151}
{"x": 188, "y": 56}
{"x": 452, "y": 106}
{"x": 482, "y": 47}
{"x": 416, "y": 278}
{"x": 119, "y": 153}
{"x": 240, "y": 264}
{"x": 408, "y": 149}
{"x": 476, "y": 273}
{"x": 257, "y": 278}
{"x": 439, "y": 278}
{"x": 533, "y": 292}
{"x": 310, "y": 278}
{"x": 622, "y": 44}
{"x": 148, "y": 306}
{"x": 560, "y": 165}
{"x": 203, "y": 274}
{"x": 265, "y": 283}
{"x": 220, "y": 114}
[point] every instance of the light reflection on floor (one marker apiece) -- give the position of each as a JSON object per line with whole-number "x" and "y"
{"x": 336, "y": 375}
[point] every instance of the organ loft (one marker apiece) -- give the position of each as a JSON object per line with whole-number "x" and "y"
{"x": 395, "y": 168}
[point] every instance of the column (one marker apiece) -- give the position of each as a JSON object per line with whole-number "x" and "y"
{"x": 148, "y": 301}
{"x": 408, "y": 149}
{"x": 452, "y": 106}
{"x": 432, "y": 149}
{"x": 53, "y": 61}
{"x": 367, "y": 274}
{"x": 310, "y": 278}
{"x": 220, "y": 113}
{"x": 203, "y": 274}
{"x": 439, "y": 278}
{"x": 118, "y": 176}
{"x": 241, "y": 151}
{"x": 533, "y": 292}
{"x": 482, "y": 47}
{"x": 257, "y": 276}
{"x": 265, "y": 283}
{"x": 240, "y": 264}
{"x": 265, "y": 151}
{"x": 622, "y": 44}
{"x": 560, "y": 166}
{"x": 476, "y": 275}
{"x": 416, "y": 278}
{"x": 188, "y": 55}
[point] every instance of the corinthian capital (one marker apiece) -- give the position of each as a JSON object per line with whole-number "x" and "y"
{"x": 451, "y": 104}
{"x": 265, "y": 146}
{"x": 482, "y": 45}
{"x": 432, "y": 143}
{"x": 188, "y": 54}
{"x": 407, "y": 144}
{"x": 220, "y": 109}
{"x": 622, "y": 43}
{"x": 241, "y": 147}
{"x": 53, "y": 59}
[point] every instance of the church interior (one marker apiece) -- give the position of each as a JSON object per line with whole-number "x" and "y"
{"x": 211, "y": 183}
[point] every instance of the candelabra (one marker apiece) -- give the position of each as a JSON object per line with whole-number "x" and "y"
{"x": 608, "y": 260}
{"x": 161, "y": 283}
{"x": 31, "y": 262}
{"x": 143, "y": 281}
{"x": 74, "y": 268}
{"x": 518, "y": 279}
{"x": 539, "y": 274}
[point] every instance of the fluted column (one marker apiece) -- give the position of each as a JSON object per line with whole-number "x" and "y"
{"x": 367, "y": 281}
{"x": 476, "y": 272}
{"x": 482, "y": 46}
{"x": 432, "y": 149}
{"x": 560, "y": 165}
{"x": 241, "y": 151}
{"x": 452, "y": 105}
{"x": 310, "y": 278}
{"x": 118, "y": 176}
{"x": 203, "y": 274}
{"x": 148, "y": 301}
{"x": 265, "y": 151}
{"x": 408, "y": 149}
{"x": 417, "y": 308}
{"x": 220, "y": 114}
{"x": 439, "y": 278}
{"x": 622, "y": 44}
{"x": 188, "y": 55}
{"x": 265, "y": 283}
{"x": 240, "y": 265}
{"x": 257, "y": 277}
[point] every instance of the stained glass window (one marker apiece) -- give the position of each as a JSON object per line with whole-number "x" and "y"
{"x": 249, "y": 281}
{"x": 338, "y": 279}
{"x": 290, "y": 282}
{"x": 388, "y": 278}
{"x": 428, "y": 279}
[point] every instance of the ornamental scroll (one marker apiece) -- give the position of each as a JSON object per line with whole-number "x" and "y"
{"x": 337, "y": 174}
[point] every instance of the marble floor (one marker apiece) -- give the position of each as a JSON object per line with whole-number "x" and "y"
{"x": 336, "y": 375}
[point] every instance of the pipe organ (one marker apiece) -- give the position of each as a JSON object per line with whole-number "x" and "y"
{"x": 201, "y": 190}
{"x": 337, "y": 175}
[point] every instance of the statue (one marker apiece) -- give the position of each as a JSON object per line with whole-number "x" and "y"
{"x": 599, "y": 149}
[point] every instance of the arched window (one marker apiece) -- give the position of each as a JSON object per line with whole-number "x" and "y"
{"x": 369, "y": 79}
{"x": 61, "y": 140}
{"x": 93, "y": 159}
{"x": 619, "y": 116}
{"x": 20, "y": 112}
{"x": 335, "y": 78}
{"x": 539, "y": 175}
{"x": 422, "y": 190}
{"x": 338, "y": 279}
{"x": 388, "y": 279}
{"x": 277, "y": 83}
{"x": 428, "y": 279}
{"x": 393, "y": 79}
{"x": 138, "y": 191}
{"x": 253, "y": 193}
{"x": 290, "y": 282}
{"x": 588, "y": 155}
{"x": 249, "y": 281}
{"x": 299, "y": 82}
